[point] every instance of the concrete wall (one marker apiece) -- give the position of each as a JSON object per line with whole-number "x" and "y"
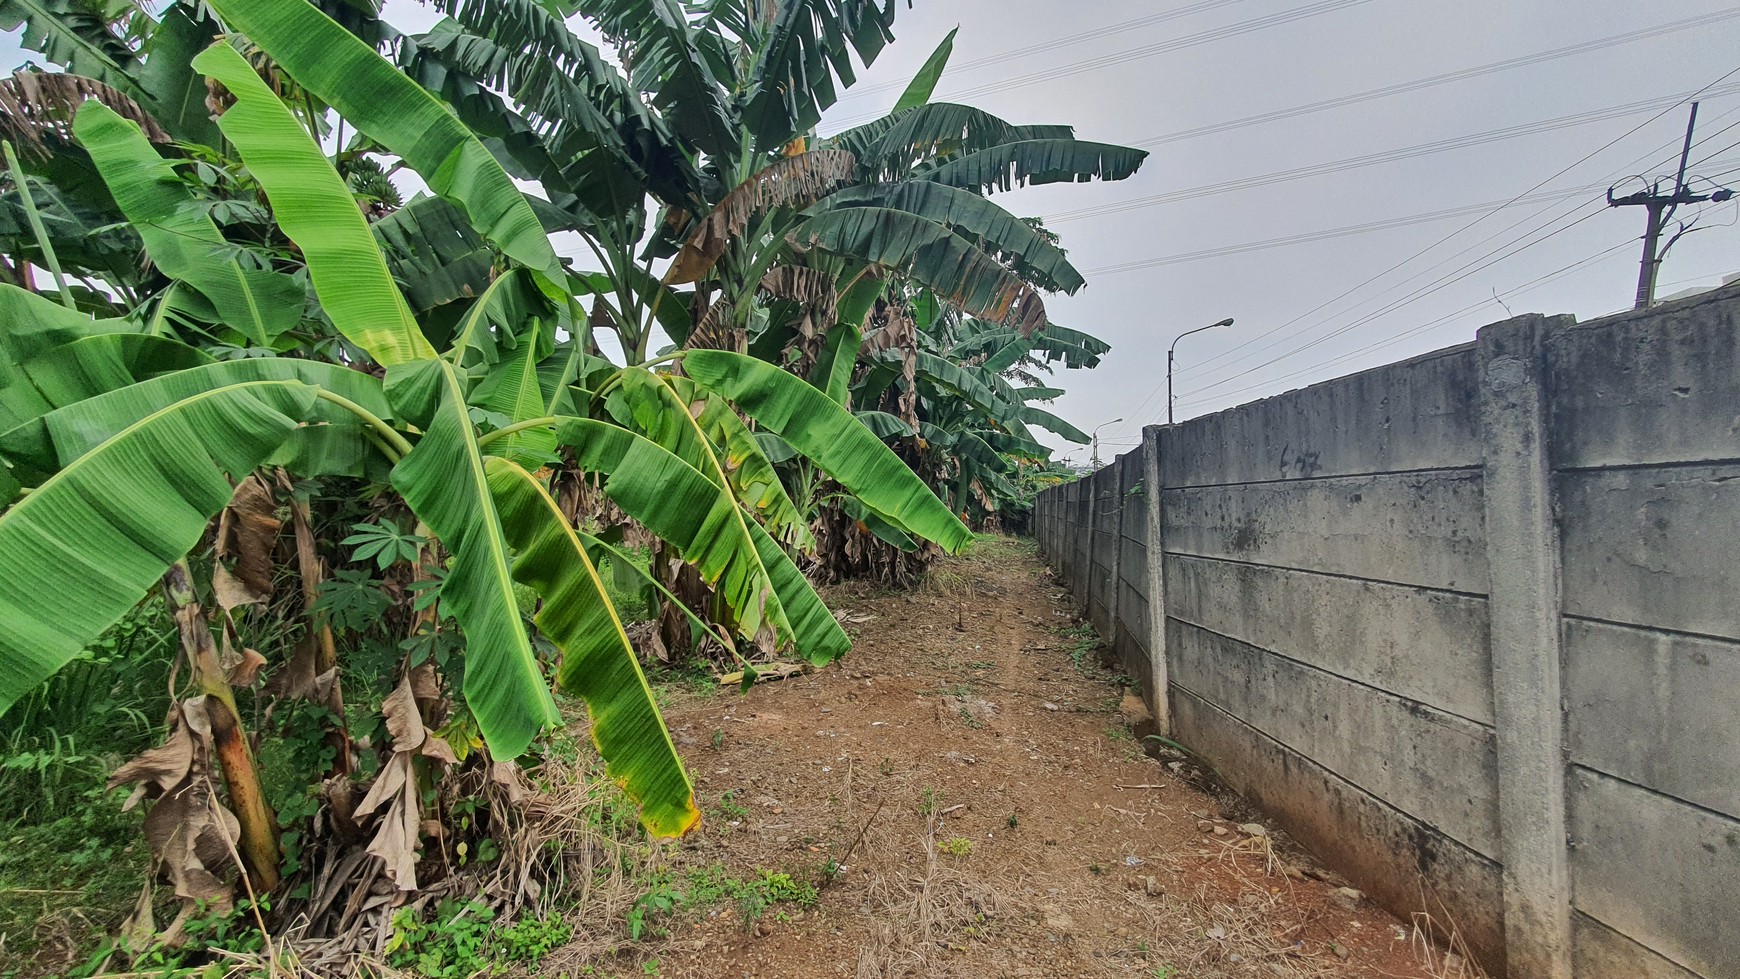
{"x": 1468, "y": 626}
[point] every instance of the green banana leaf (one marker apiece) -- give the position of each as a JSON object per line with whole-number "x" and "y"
{"x": 884, "y": 425}
{"x": 95, "y": 365}
{"x": 318, "y": 212}
{"x": 874, "y": 522}
{"x": 805, "y": 47}
{"x": 86, "y": 545}
{"x": 1038, "y": 161}
{"x": 890, "y": 147}
{"x": 698, "y": 517}
{"x": 975, "y": 386}
{"x": 975, "y": 218}
{"x": 816, "y": 633}
{"x": 705, "y": 433}
{"x": 492, "y": 325}
{"x": 55, "y": 439}
{"x": 68, "y": 33}
{"x": 396, "y": 112}
{"x": 32, "y": 326}
{"x": 776, "y": 449}
{"x": 178, "y": 92}
{"x": 663, "y": 61}
{"x": 180, "y": 237}
{"x": 928, "y": 251}
{"x": 444, "y": 482}
{"x": 598, "y": 661}
{"x": 433, "y": 254}
{"x": 833, "y": 371}
{"x": 831, "y": 437}
{"x": 918, "y": 91}
{"x": 1051, "y": 423}
{"x": 514, "y": 390}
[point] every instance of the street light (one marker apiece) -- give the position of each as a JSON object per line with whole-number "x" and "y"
{"x": 1169, "y": 350}
{"x": 1095, "y": 440}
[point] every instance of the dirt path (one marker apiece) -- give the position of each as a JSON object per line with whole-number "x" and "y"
{"x": 969, "y": 767}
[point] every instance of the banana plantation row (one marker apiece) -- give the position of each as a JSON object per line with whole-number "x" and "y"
{"x": 394, "y": 470}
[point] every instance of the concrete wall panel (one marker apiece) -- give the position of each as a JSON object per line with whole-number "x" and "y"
{"x": 1599, "y": 952}
{"x": 1657, "y": 709}
{"x": 1417, "y": 414}
{"x": 1133, "y": 566}
{"x": 1655, "y": 547}
{"x": 1436, "y": 767}
{"x": 1657, "y": 870}
{"x": 1417, "y": 529}
{"x": 1423, "y": 645}
{"x": 1403, "y": 863}
{"x": 1662, "y": 386}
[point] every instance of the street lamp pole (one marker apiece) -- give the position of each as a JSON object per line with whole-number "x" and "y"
{"x": 1094, "y": 460}
{"x": 1169, "y": 352}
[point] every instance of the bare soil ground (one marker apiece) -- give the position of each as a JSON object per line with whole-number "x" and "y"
{"x": 966, "y": 791}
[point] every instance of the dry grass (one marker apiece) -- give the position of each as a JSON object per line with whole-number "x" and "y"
{"x": 918, "y": 920}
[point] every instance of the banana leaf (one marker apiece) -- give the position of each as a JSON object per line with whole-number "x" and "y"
{"x": 1051, "y": 423}
{"x": 698, "y": 517}
{"x": 707, "y": 434}
{"x": 444, "y": 482}
{"x": 55, "y": 439}
{"x": 95, "y": 365}
{"x": 396, "y": 112}
{"x": 918, "y": 91}
{"x": 884, "y": 425}
{"x": 832, "y": 438}
{"x": 180, "y": 237}
{"x": 318, "y": 212}
{"x": 433, "y": 254}
{"x": 1037, "y": 161}
{"x": 598, "y": 661}
{"x": 85, "y": 546}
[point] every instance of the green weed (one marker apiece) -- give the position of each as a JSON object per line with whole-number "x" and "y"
{"x": 668, "y": 895}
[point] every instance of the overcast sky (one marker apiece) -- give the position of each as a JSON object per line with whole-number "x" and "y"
{"x": 1146, "y": 72}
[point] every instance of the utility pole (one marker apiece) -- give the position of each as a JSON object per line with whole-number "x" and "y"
{"x": 1094, "y": 459}
{"x": 1659, "y": 208}
{"x": 1169, "y": 358}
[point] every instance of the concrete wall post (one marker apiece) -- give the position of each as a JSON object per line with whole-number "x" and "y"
{"x": 1522, "y": 550}
{"x": 1159, "y": 691}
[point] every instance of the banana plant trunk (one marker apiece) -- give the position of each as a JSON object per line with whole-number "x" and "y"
{"x": 313, "y": 572}
{"x": 259, "y": 847}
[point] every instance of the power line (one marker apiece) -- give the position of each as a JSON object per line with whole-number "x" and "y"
{"x": 1433, "y": 81}
{"x": 1138, "y": 54}
{"x": 1455, "y": 234}
{"x": 1350, "y": 230}
{"x": 1449, "y": 278}
{"x": 1121, "y": 27}
{"x": 1397, "y": 338}
{"x": 1345, "y": 232}
{"x": 1386, "y": 156}
{"x": 1427, "y": 290}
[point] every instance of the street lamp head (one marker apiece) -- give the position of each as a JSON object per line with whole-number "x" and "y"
{"x": 1226, "y": 322}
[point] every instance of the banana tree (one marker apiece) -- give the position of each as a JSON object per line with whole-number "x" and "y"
{"x": 121, "y": 445}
